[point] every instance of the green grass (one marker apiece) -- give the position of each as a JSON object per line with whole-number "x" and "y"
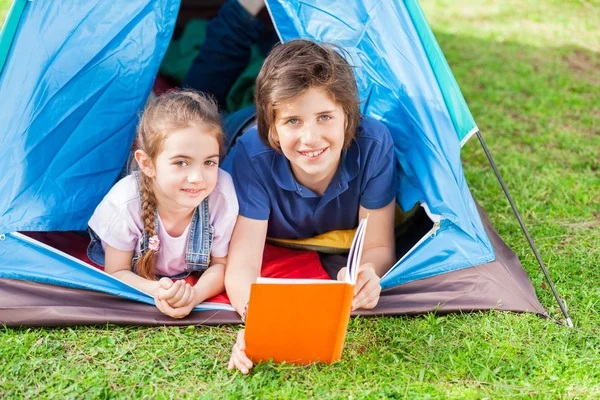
{"x": 4, "y": 7}
{"x": 530, "y": 71}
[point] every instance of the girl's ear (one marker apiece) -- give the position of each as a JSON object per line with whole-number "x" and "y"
{"x": 145, "y": 163}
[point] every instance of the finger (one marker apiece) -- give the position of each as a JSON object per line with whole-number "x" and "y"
{"x": 165, "y": 283}
{"x": 164, "y": 307}
{"x": 170, "y": 292}
{"x": 243, "y": 358}
{"x": 366, "y": 274}
{"x": 368, "y": 298}
{"x": 242, "y": 362}
{"x": 178, "y": 295}
{"x": 366, "y": 292}
{"x": 369, "y": 293}
{"x": 239, "y": 353}
{"x": 341, "y": 275}
{"x": 178, "y": 298}
{"x": 188, "y": 294}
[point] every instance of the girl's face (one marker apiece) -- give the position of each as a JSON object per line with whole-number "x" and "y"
{"x": 310, "y": 130}
{"x": 186, "y": 170}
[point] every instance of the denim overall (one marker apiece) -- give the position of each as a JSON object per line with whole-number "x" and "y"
{"x": 197, "y": 255}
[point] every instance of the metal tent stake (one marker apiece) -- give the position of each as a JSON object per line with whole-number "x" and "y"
{"x": 535, "y": 252}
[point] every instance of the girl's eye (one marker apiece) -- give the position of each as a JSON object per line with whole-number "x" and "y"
{"x": 293, "y": 121}
{"x": 181, "y": 163}
{"x": 210, "y": 163}
{"x": 324, "y": 117}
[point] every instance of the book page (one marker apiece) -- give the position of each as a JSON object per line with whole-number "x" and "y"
{"x": 294, "y": 281}
{"x": 354, "y": 256}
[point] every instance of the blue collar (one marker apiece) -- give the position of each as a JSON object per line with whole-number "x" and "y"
{"x": 347, "y": 170}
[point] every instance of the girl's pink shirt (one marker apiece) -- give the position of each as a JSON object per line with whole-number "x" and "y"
{"x": 118, "y": 222}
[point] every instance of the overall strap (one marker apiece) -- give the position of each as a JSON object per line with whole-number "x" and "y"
{"x": 197, "y": 256}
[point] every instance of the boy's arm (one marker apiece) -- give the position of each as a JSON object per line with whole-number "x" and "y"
{"x": 244, "y": 259}
{"x": 379, "y": 247}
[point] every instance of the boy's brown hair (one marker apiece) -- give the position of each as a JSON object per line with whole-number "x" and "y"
{"x": 294, "y": 67}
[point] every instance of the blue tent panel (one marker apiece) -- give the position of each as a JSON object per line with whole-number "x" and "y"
{"x": 463, "y": 121}
{"x": 26, "y": 259}
{"x": 75, "y": 75}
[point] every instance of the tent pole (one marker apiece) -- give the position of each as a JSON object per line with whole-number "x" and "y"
{"x": 568, "y": 321}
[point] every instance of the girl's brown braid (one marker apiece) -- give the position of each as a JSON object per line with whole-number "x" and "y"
{"x": 145, "y": 264}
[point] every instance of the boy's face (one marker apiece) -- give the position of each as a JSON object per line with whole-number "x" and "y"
{"x": 310, "y": 130}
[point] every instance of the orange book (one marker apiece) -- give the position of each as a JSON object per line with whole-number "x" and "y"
{"x": 302, "y": 321}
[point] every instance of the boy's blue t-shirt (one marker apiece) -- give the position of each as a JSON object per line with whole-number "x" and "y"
{"x": 267, "y": 190}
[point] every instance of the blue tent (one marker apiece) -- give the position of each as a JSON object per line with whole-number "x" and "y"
{"x": 74, "y": 78}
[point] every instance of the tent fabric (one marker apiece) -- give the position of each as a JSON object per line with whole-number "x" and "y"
{"x": 501, "y": 285}
{"x": 38, "y": 257}
{"x": 75, "y": 127}
{"x": 71, "y": 119}
{"x": 76, "y": 75}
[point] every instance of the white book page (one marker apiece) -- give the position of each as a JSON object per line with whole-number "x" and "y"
{"x": 354, "y": 256}
{"x": 294, "y": 281}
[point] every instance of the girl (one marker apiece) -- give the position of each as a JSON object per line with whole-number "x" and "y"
{"x": 313, "y": 165}
{"x": 175, "y": 214}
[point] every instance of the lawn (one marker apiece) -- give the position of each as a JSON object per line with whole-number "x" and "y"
{"x": 530, "y": 72}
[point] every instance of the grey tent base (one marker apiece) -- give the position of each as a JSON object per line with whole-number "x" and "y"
{"x": 501, "y": 285}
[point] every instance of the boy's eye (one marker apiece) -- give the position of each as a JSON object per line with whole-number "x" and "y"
{"x": 293, "y": 121}
{"x": 181, "y": 163}
{"x": 210, "y": 163}
{"x": 324, "y": 117}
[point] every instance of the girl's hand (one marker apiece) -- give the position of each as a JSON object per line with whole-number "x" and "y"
{"x": 238, "y": 358}
{"x": 367, "y": 288}
{"x": 164, "y": 283}
{"x": 165, "y": 308}
{"x": 180, "y": 294}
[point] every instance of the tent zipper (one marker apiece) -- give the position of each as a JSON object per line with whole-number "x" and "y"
{"x": 437, "y": 223}
{"x": 435, "y": 218}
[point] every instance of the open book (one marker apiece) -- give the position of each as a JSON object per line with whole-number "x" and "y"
{"x": 301, "y": 321}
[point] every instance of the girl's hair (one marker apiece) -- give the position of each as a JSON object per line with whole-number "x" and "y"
{"x": 174, "y": 110}
{"x": 296, "y": 66}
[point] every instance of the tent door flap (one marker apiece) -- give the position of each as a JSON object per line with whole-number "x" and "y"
{"x": 436, "y": 219}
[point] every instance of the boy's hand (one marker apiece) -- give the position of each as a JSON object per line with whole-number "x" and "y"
{"x": 367, "y": 288}
{"x": 238, "y": 358}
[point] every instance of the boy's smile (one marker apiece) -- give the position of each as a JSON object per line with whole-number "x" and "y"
{"x": 310, "y": 130}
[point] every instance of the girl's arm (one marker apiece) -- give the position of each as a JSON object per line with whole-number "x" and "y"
{"x": 244, "y": 260}
{"x": 378, "y": 255}
{"x": 211, "y": 283}
{"x": 118, "y": 264}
